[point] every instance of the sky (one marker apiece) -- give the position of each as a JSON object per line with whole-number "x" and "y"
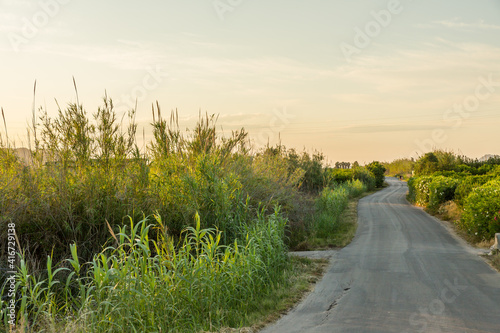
{"x": 356, "y": 80}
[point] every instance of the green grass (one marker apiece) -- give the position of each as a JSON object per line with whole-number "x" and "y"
{"x": 334, "y": 222}
{"x": 301, "y": 277}
{"x": 149, "y": 285}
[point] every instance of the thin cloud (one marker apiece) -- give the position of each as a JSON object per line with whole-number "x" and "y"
{"x": 456, "y": 23}
{"x": 440, "y": 66}
{"x": 386, "y": 128}
{"x": 124, "y": 57}
{"x": 17, "y": 4}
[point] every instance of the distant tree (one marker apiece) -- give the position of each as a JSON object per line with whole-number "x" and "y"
{"x": 342, "y": 165}
{"x": 399, "y": 167}
{"x": 378, "y": 170}
{"x": 426, "y": 165}
{"x": 355, "y": 165}
{"x": 447, "y": 161}
{"x": 313, "y": 165}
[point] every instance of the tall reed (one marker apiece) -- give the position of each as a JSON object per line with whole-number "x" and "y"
{"x": 150, "y": 285}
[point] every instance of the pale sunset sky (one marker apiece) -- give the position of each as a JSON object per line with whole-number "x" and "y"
{"x": 357, "y": 80}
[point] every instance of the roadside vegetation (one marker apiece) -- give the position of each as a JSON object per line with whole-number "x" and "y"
{"x": 400, "y": 168}
{"x": 459, "y": 189}
{"x": 333, "y": 222}
{"x": 189, "y": 234}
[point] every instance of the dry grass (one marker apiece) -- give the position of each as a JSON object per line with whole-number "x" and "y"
{"x": 486, "y": 244}
{"x": 495, "y": 261}
{"x": 449, "y": 211}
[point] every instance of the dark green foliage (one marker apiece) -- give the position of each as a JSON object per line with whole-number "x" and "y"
{"x": 378, "y": 171}
{"x": 143, "y": 283}
{"x": 366, "y": 177}
{"x": 441, "y": 190}
{"x": 339, "y": 175}
{"x": 426, "y": 165}
{"x": 466, "y": 185}
{"x": 313, "y": 179}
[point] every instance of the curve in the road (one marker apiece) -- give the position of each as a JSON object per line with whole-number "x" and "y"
{"x": 403, "y": 272}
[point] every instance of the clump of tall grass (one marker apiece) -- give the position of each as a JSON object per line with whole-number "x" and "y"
{"x": 356, "y": 188}
{"x": 331, "y": 203}
{"x": 150, "y": 285}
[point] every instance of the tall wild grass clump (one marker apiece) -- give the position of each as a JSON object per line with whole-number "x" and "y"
{"x": 331, "y": 203}
{"x": 151, "y": 285}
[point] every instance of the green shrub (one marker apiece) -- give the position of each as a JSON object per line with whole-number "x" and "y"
{"x": 355, "y": 188}
{"x": 378, "y": 171}
{"x": 338, "y": 176}
{"x": 426, "y": 165}
{"x": 365, "y": 176}
{"x": 480, "y": 209}
{"x": 412, "y": 190}
{"x": 466, "y": 185}
{"x": 441, "y": 189}
{"x": 418, "y": 190}
{"x": 313, "y": 179}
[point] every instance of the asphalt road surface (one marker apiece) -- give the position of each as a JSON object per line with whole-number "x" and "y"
{"x": 403, "y": 272}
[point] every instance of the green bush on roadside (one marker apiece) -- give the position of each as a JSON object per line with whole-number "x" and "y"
{"x": 339, "y": 176}
{"x": 467, "y": 184}
{"x": 418, "y": 190}
{"x": 378, "y": 170}
{"x": 480, "y": 209}
{"x": 441, "y": 189}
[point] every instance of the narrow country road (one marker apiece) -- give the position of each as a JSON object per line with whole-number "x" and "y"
{"x": 403, "y": 272}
